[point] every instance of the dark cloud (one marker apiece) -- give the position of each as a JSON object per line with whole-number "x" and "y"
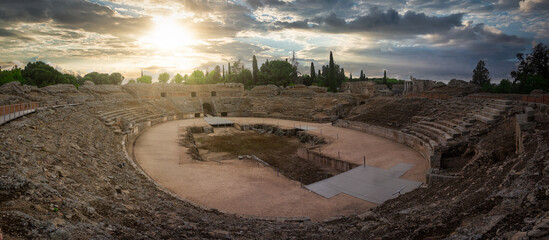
{"x": 236, "y": 49}
{"x": 72, "y": 14}
{"x": 389, "y": 23}
{"x": 478, "y": 34}
{"x": 4, "y": 33}
{"x": 534, "y": 6}
{"x": 460, "y": 48}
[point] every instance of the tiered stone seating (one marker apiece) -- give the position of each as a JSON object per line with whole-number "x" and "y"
{"x": 492, "y": 111}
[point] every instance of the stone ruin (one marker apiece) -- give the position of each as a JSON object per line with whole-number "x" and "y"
{"x": 64, "y": 173}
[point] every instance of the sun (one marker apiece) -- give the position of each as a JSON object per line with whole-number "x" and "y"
{"x": 168, "y": 34}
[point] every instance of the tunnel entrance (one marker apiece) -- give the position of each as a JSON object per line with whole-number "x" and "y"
{"x": 208, "y": 109}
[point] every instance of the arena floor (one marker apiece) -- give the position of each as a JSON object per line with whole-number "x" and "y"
{"x": 243, "y": 188}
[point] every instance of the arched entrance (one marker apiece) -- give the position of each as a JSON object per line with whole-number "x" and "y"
{"x": 208, "y": 109}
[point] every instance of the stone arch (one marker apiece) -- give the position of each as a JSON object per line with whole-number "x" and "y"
{"x": 208, "y": 109}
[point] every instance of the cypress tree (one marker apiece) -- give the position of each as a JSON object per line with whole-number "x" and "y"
{"x": 223, "y": 73}
{"x": 350, "y": 77}
{"x": 331, "y": 82}
{"x": 341, "y": 77}
{"x": 255, "y": 70}
{"x": 385, "y": 76}
{"x": 313, "y": 72}
{"x": 229, "y": 69}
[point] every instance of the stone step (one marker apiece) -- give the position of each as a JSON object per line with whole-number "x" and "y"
{"x": 500, "y": 106}
{"x": 450, "y": 131}
{"x": 493, "y": 110}
{"x": 503, "y": 101}
{"x": 468, "y": 119}
{"x": 107, "y": 113}
{"x": 442, "y": 136}
{"x": 122, "y": 115}
{"x": 456, "y": 126}
{"x": 484, "y": 119}
{"x": 487, "y": 114}
{"x": 429, "y": 133}
{"x": 425, "y": 139}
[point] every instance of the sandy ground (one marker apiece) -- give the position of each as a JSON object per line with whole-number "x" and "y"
{"x": 353, "y": 146}
{"x": 244, "y": 188}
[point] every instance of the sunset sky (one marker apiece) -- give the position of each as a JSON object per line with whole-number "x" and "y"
{"x": 438, "y": 40}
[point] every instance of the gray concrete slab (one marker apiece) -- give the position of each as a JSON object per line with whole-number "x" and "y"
{"x": 217, "y": 121}
{"x": 372, "y": 184}
{"x": 305, "y": 128}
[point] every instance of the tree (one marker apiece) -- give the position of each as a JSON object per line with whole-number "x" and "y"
{"x": 116, "y": 78}
{"x": 341, "y": 77}
{"x": 71, "y": 79}
{"x": 163, "y": 77}
{"x": 131, "y": 81}
{"x": 98, "y": 78}
{"x": 41, "y": 74}
{"x": 362, "y": 76}
{"x": 505, "y": 86}
{"x": 276, "y": 72}
{"x": 331, "y": 81}
{"x": 307, "y": 80}
{"x": 197, "y": 77}
{"x": 255, "y": 70}
{"x": 481, "y": 75}
{"x": 144, "y": 79}
{"x": 313, "y": 73}
{"x": 213, "y": 76}
{"x": 177, "y": 79}
{"x": 384, "y": 76}
{"x": 245, "y": 77}
{"x": 533, "y": 70}
{"x": 14, "y": 74}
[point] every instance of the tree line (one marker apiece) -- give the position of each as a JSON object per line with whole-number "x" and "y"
{"x": 41, "y": 74}
{"x": 277, "y": 72}
{"x": 532, "y": 73}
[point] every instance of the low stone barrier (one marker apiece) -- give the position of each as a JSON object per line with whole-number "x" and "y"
{"x": 429, "y": 95}
{"x": 334, "y": 163}
{"x": 533, "y": 98}
{"x": 429, "y": 154}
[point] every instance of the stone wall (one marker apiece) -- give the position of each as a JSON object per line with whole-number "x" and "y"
{"x": 331, "y": 162}
{"x": 366, "y": 88}
{"x": 265, "y": 91}
{"x": 425, "y": 85}
{"x": 320, "y": 108}
{"x": 232, "y": 106}
{"x": 430, "y": 155}
{"x": 181, "y": 90}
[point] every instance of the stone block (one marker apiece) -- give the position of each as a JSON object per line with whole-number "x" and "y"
{"x": 529, "y": 112}
{"x": 524, "y": 125}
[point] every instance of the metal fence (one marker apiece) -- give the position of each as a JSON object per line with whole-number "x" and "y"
{"x": 13, "y": 111}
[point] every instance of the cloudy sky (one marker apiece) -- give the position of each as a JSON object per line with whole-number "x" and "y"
{"x": 439, "y": 39}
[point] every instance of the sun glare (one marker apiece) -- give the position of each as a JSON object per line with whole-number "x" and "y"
{"x": 168, "y": 34}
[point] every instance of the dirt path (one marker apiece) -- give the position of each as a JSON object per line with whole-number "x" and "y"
{"x": 242, "y": 187}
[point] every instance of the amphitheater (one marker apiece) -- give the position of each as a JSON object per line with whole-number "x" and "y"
{"x": 216, "y": 161}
